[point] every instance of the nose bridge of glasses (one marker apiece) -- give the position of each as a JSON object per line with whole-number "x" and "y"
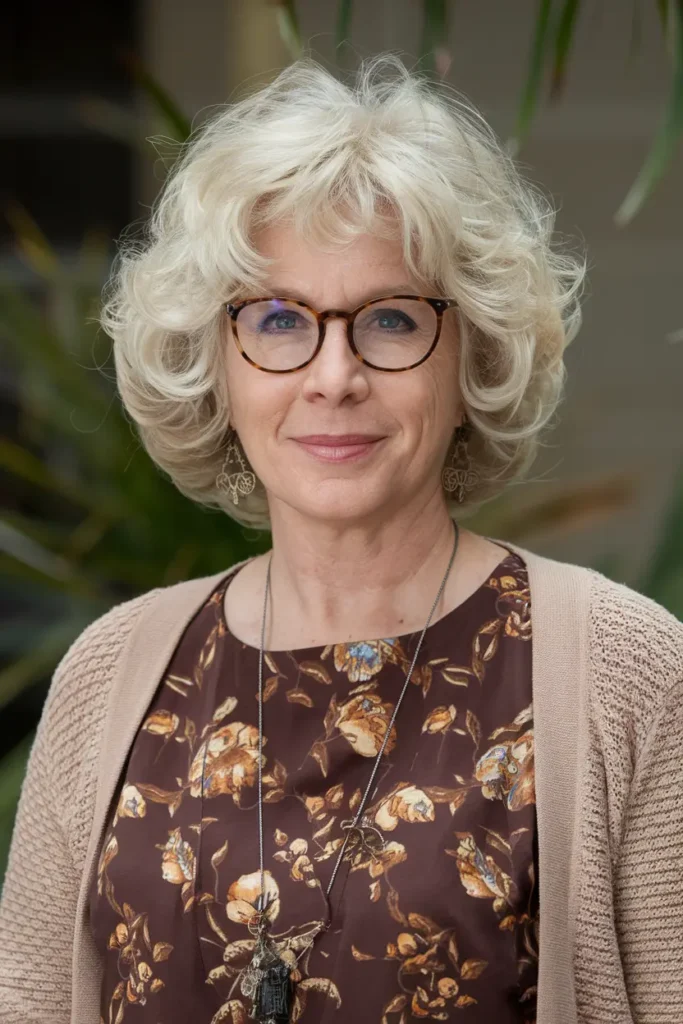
{"x": 345, "y": 317}
{"x": 335, "y": 314}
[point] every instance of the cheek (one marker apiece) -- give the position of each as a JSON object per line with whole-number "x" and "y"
{"x": 434, "y": 397}
{"x": 257, "y": 398}
{"x": 424, "y": 412}
{"x": 244, "y": 385}
{"x": 444, "y": 383}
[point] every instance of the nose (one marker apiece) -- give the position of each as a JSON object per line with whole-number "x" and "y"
{"x": 336, "y": 373}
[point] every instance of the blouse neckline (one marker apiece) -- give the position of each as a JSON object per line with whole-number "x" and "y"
{"x": 459, "y": 611}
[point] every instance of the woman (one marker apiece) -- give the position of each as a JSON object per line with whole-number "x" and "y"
{"x": 391, "y": 770}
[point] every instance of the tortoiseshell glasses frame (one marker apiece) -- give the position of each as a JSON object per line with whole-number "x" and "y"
{"x": 438, "y": 305}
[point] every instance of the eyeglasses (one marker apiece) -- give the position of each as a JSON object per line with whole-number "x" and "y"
{"x": 392, "y": 333}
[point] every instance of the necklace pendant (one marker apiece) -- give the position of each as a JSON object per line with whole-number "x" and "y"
{"x": 273, "y": 995}
{"x": 267, "y": 983}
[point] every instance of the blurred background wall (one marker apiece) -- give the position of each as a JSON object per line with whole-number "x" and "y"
{"x": 84, "y": 91}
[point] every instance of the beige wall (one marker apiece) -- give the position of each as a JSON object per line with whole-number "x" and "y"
{"x": 623, "y": 406}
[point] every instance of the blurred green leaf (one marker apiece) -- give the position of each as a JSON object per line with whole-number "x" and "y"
{"x": 663, "y": 9}
{"x": 50, "y": 534}
{"x": 178, "y": 124}
{"x": 40, "y": 661}
{"x": 344, "y": 15}
{"x": 434, "y": 35}
{"x": 93, "y": 260}
{"x": 12, "y": 772}
{"x": 288, "y": 24}
{"x": 28, "y": 552}
{"x": 111, "y": 119}
{"x": 669, "y": 133}
{"x": 32, "y": 245}
{"x": 534, "y": 78}
{"x": 30, "y": 336}
{"x": 68, "y": 582}
{"x": 563, "y": 43}
{"x": 28, "y": 467}
{"x": 662, "y": 578}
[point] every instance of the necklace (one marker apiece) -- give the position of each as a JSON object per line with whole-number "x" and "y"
{"x": 267, "y": 979}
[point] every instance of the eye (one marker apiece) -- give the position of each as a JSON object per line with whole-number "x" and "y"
{"x": 282, "y": 320}
{"x": 392, "y": 320}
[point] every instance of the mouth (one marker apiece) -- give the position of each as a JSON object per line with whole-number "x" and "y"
{"x": 339, "y": 447}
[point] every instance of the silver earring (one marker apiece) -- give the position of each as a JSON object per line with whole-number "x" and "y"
{"x": 458, "y": 475}
{"x": 237, "y": 482}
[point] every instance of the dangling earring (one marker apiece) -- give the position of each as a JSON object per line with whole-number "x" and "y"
{"x": 238, "y": 482}
{"x": 458, "y": 475}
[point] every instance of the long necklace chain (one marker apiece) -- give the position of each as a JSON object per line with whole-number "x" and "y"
{"x": 378, "y": 759}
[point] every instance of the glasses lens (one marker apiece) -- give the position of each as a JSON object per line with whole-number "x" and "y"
{"x": 277, "y": 334}
{"x": 395, "y": 333}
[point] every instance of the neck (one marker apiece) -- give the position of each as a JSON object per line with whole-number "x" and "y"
{"x": 335, "y": 583}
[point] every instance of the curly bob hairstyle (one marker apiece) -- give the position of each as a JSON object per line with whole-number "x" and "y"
{"x": 391, "y": 154}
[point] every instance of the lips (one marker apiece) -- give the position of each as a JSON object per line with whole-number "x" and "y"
{"x": 337, "y": 440}
{"x": 338, "y": 447}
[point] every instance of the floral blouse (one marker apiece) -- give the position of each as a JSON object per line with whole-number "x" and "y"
{"x": 442, "y": 917}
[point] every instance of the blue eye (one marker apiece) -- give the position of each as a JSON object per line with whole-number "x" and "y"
{"x": 393, "y": 320}
{"x": 283, "y": 320}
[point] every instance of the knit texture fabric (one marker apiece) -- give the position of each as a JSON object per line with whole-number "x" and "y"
{"x": 625, "y": 932}
{"x": 52, "y": 826}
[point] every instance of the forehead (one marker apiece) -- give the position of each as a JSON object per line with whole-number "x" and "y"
{"x": 303, "y": 268}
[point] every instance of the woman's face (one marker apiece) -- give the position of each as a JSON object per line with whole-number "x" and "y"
{"x": 408, "y": 418}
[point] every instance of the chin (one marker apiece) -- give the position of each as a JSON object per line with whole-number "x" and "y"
{"x": 339, "y": 501}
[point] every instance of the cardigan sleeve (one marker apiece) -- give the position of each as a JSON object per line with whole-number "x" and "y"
{"x": 52, "y": 827}
{"x": 649, "y": 873}
{"x": 38, "y": 905}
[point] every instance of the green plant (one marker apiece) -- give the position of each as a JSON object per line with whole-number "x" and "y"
{"x": 12, "y": 770}
{"x": 552, "y": 40}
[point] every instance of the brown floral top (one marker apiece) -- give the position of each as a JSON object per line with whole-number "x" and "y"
{"x": 444, "y": 917}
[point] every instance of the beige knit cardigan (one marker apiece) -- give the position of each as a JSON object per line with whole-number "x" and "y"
{"x": 607, "y": 675}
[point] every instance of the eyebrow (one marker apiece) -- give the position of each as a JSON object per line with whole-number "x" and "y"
{"x": 390, "y": 289}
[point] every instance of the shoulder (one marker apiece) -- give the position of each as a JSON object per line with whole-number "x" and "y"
{"x": 68, "y": 737}
{"x": 69, "y": 734}
{"x": 72, "y": 718}
{"x": 623, "y": 624}
{"x": 91, "y": 658}
{"x": 634, "y": 645}
{"x": 635, "y": 623}
{"x": 636, "y": 650}
{"x": 97, "y": 647}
